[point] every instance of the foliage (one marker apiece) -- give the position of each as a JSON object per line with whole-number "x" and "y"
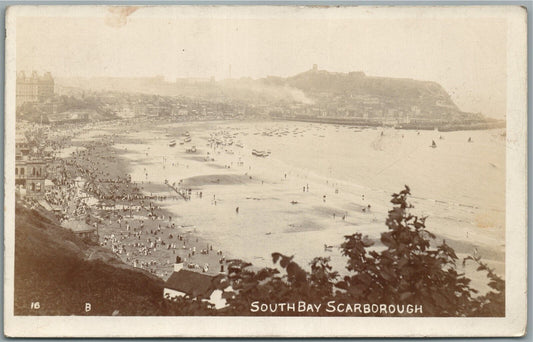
{"x": 408, "y": 270}
{"x": 403, "y": 268}
{"x": 492, "y": 304}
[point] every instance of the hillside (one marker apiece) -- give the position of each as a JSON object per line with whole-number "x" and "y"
{"x": 358, "y": 96}
{"x": 314, "y": 95}
{"x": 62, "y": 273}
{"x": 358, "y": 84}
{"x": 307, "y": 88}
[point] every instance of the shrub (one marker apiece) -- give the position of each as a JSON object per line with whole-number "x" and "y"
{"x": 408, "y": 271}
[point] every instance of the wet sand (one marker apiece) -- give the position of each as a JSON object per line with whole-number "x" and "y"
{"x": 280, "y": 198}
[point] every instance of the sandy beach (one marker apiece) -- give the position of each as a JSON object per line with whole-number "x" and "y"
{"x": 317, "y": 183}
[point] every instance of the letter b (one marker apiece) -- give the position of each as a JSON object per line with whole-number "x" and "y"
{"x": 87, "y": 307}
{"x": 301, "y": 306}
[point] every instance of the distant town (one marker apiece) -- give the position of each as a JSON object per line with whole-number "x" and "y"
{"x": 314, "y": 96}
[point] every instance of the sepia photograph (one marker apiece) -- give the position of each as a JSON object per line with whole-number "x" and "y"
{"x": 209, "y": 170}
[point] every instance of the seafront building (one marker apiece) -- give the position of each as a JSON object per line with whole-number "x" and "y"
{"x": 30, "y": 172}
{"x": 34, "y": 88}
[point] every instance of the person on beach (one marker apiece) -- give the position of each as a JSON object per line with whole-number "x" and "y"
{"x": 237, "y": 210}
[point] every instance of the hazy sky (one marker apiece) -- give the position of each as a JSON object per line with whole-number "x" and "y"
{"x": 466, "y": 54}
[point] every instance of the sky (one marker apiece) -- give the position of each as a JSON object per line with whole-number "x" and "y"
{"x": 464, "y": 51}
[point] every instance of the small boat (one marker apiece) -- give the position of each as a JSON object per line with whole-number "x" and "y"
{"x": 260, "y": 153}
{"x": 433, "y": 144}
{"x": 172, "y": 143}
{"x": 187, "y": 139}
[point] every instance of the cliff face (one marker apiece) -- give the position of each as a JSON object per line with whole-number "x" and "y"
{"x": 356, "y": 95}
{"x": 378, "y": 96}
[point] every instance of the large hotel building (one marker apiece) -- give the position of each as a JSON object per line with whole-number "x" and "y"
{"x": 34, "y": 88}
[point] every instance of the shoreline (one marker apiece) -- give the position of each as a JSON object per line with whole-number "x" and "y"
{"x": 437, "y": 125}
{"x": 126, "y": 219}
{"x": 139, "y": 146}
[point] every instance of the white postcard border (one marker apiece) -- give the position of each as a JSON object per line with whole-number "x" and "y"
{"x": 516, "y": 216}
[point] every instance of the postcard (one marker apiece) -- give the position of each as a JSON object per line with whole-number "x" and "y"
{"x": 265, "y": 171}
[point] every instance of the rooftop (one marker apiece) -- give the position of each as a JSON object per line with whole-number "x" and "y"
{"x": 77, "y": 226}
{"x": 194, "y": 284}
